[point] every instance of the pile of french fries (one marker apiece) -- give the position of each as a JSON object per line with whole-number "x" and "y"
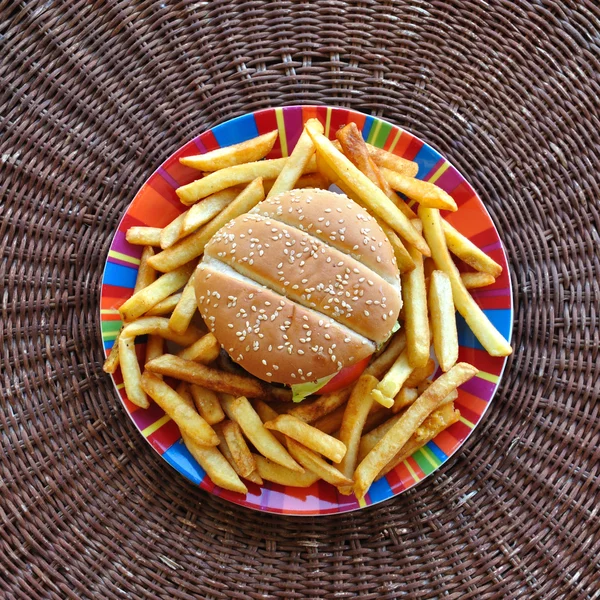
{"x": 241, "y": 428}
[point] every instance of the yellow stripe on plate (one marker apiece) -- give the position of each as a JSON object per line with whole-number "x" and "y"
{"x": 120, "y": 386}
{"x": 362, "y": 502}
{"x": 124, "y": 257}
{"x": 439, "y": 172}
{"x": 156, "y": 425}
{"x": 429, "y": 456}
{"x": 395, "y": 142}
{"x": 488, "y": 377}
{"x": 467, "y": 423}
{"x": 374, "y": 132}
{"x": 411, "y": 471}
{"x": 282, "y": 134}
{"x": 328, "y": 121}
{"x": 109, "y": 311}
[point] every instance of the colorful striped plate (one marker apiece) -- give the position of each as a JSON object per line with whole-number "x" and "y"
{"x": 156, "y": 204}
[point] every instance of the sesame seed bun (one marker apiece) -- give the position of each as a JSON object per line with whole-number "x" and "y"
{"x": 299, "y": 288}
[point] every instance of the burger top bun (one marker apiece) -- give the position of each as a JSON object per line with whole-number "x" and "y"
{"x": 302, "y": 286}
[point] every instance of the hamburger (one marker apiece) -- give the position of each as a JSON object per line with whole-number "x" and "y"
{"x": 300, "y": 289}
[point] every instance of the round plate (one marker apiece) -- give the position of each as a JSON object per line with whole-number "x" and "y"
{"x": 156, "y": 204}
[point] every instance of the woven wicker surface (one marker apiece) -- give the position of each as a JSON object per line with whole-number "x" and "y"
{"x": 94, "y": 96}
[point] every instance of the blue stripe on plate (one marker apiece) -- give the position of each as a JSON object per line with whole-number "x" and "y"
{"x": 500, "y": 318}
{"x": 436, "y": 451}
{"x": 236, "y": 131}
{"x": 426, "y": 159}
{"x": 179, "y": 456}
{"x": 380, "y": 490}
{"x": 119, "y": 275}
{"x": 367, "y": 127}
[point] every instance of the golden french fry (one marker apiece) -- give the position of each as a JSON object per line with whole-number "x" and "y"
{"x": 143, "y": 236}
{"x": 229, "y": 156}
{"x": 436, "y": 422}
{"x": 309, "y": 436}
{"x": 296, "y": 162}
{"x": 377, "y": 415}
{"x": 416, "y": 321}
{"x": 443, "y": 320}
{"x": 213, "y": 379}
{"x": 271, "y": 471}
{"x": 239, "y": 449}
{"x": 331, "y": 422}
{"x": 424, "y": 192}
{"x": 419, "y": 374}
{"x": 406, "y": 425}
{"x": 373, "y": 198}
{"x": 164, "y": 307}
{"x": 193, "y": 245}
{"x": 313, "y": 462}
{"x": 405, "y": 397}
{"x": 232, "y": 176}
{"x": 186, "y": 417}
{"x": 369, "y": 440}
{"x": 202, "y": 212}
{"x": 204, "y": 350}
{"x": 468, "y": 252}
{"x": 355, "y": 417}
{"x": 146, "y": 274}
{"x": 207, "y": 403}
{"x": 266, "y": 413}
{"x": 132, "y": 375}
{"x": 160, "y": 326}
{"x": 215, "y": 464}
{"x": 112, "y": 360}
{"x": 185, "y": 309}
{"x": 155, "y": 347}
{"x": 392, "y": 381}
{"x": 489, "y": 337}
{"x": 477, "y": 280}
{"x": 224, "y": 448}
{"x": 241, "y": 411}
{"x": 163, "y": 287}
{"x": 383, "y": 363}
{"x": 323, "y": 405}
{"x": 421, "y": 387}
{"x": 383, "y": 158}
{"x": 172, "y": 232}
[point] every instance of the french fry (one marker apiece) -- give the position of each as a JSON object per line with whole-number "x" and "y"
{"x": 202, "y": 212}
{"x": 112, "y": 360}
{"x": 132, "y": 375}
{"x": 239, "y": 449}
{"x": 244, "y": 152}
{"x": 436, "y": 422}
{"x": 489, "y": 337}
{"x": 310, "y": 180}
{"x": 443, "y": 320}
{"x": 266, "y": 413}
{"x": 331, "y": 422}
{"x": 146, "y": 274}
{"x": 468, "y": 252}
{"x": 355, "y": 416}
{"x": 172, "y": 232}
{"x": 377, "y": 416}
{"x": 421, "y": 387}
{"x": 369, "y": 440}
{"x": 405, "y": 397}
{"x": 185, "y": 309}
{"x": 193, "y": 245}
{"x": 186, "y": 417}
{"x": 163, "y": 287}
{"x": 160, "y": 326}
{"x": 383, "y": 363}
{"x": 271, "y": 471}
{"x": 476, "y": 280}
{"x": 392, "y": 381}
{"x": 224, "y": 448}
{"x": 410, "y": 420}
{"x": 389, "y": 160}
{"x": 207, "y": 404}
{"x": 204, "y": 350}
{"x": 313, "y": 462}
{"x": 323, "y": 405}
{"x": 155, "y": 347}
{"x": 295, "y": 165}
{"x": 241, "y": 411}
{"x": 416, "y": 321}
{"x": 375, "y": 200}
{"x": 233, "y": 176}
{"x": 309, "y": 436}
{"x": 164, "y": 307}
{"x": 213, "y": 379}
{"x": 216, "y": 465}
{"x": 143, "y": 236}
{"x": 419, "y": 374}
{"x": 424, "y": 192}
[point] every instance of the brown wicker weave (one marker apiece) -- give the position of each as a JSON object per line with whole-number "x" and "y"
{"x": 94, "y": 96}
